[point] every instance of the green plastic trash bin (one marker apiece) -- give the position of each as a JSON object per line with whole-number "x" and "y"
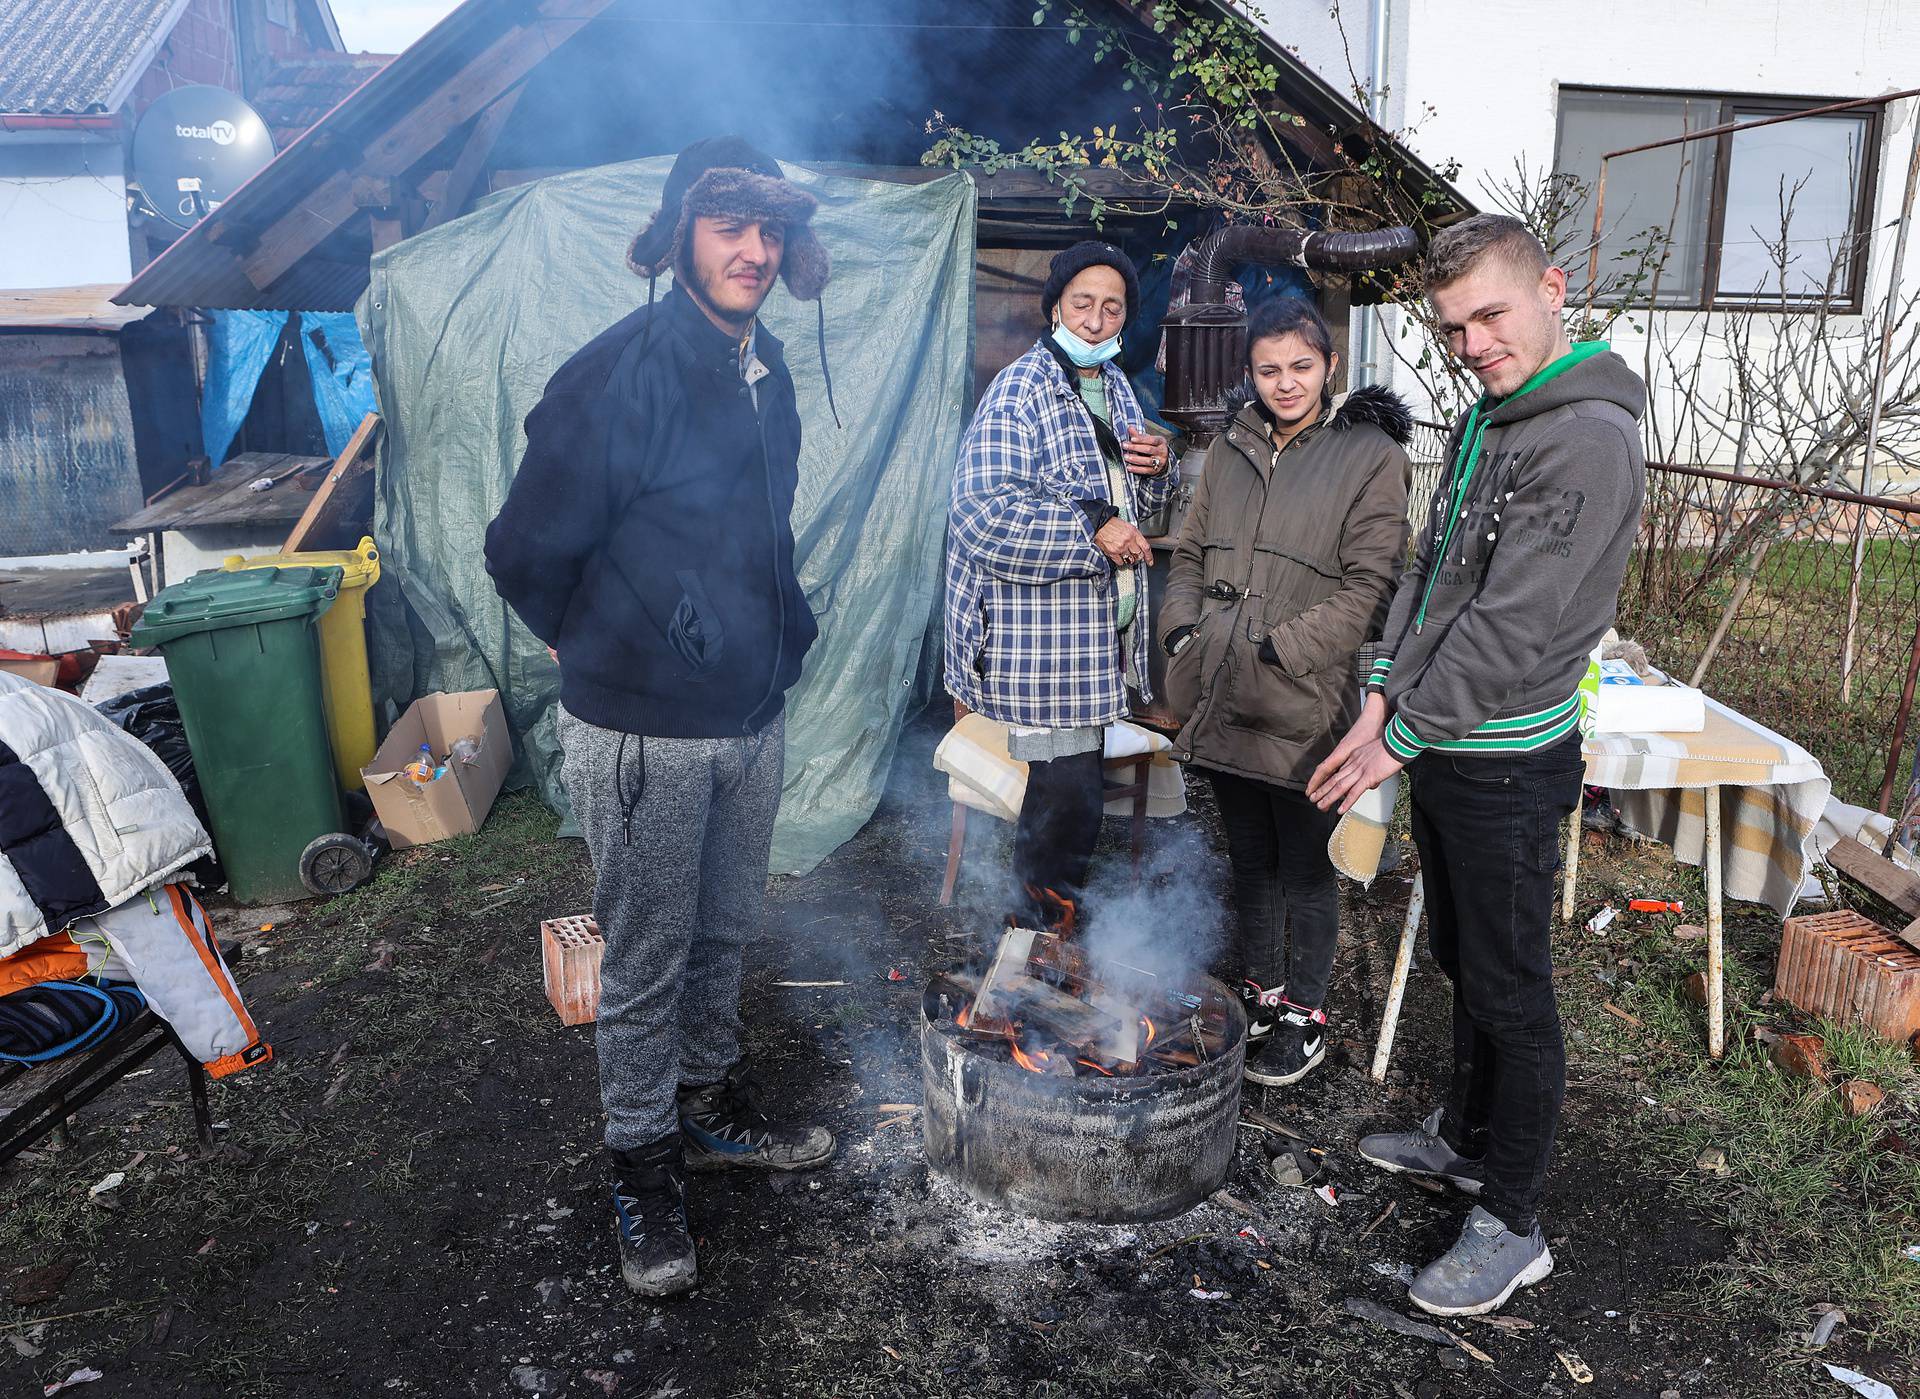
{"x": 243, "y": 655}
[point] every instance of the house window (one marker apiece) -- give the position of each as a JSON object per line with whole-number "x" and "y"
{"x": 1759, "y": 217}
{"x": 280, "y": 12}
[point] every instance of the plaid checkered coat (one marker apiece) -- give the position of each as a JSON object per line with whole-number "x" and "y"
{"x": 1030, "y": 600}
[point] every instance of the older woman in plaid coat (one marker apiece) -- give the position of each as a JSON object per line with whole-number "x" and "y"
{"x": 1046, "y": 622}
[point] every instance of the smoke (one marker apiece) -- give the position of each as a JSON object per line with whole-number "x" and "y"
{"x": 1172, "y": 923}
{"x": 1171, "y": 919}
{"x": 829, "y": 80}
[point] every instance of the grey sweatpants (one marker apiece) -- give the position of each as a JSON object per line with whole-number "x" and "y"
{"x": 679, "y": 830}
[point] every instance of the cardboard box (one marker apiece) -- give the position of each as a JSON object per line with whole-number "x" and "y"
{"x": 41, "y": 670}
{"x": 457, "y": 803}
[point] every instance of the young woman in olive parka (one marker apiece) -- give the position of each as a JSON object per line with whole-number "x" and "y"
{"x": 1283, "y": 571}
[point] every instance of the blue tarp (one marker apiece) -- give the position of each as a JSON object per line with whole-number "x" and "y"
{"x": 238, "y": 348}
{"x": 342, "y": 373}
{"x": 239, "y": 344}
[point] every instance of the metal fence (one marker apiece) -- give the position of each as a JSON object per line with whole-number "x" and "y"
{"x": 1751, "y": 576}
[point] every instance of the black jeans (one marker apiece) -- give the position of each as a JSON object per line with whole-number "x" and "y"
{"x": 1489, "y": 829}
{"x": 1286, "y": 900}
{"x": 1059, "y": 826}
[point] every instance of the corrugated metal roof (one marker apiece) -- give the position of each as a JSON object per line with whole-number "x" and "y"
{"x": 75, "y": 56}
{"x": 67, "y": 308}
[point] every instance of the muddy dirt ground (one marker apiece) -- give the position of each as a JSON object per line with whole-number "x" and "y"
{"x": 410, "y": 1200}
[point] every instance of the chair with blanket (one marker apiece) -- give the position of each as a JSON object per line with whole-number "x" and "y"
{"x": 1141, "y": 780}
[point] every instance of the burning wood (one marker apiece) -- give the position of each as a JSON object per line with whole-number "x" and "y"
{"x": 1061, "y": 1011}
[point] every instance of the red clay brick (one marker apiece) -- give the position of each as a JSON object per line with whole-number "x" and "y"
{"x": 570, "y": 951}
{"x": 1850, "y": 969}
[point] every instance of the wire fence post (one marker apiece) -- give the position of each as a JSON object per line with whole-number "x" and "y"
{"x": 1873, "y": 413}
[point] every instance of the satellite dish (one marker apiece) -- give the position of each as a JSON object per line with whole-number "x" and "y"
{"x": 193, "y": 148}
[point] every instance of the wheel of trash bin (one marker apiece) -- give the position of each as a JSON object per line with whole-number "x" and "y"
{"x": 335, "y": 864}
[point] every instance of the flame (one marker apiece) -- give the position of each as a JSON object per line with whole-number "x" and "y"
{"x": 1060, "y": 910}
{"x": 1101, "y": 1067}
{"x": 1147, "y": 1022}
{"x": 1035, "y": 1063}
{"x": 966, "y": 1014}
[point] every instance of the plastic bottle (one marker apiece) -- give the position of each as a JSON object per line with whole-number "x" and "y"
{"x": 466, "y": 750}
{"x": 420, "y": 770}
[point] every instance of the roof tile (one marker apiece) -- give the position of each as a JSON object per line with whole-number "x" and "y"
{"x": 66, "y": 59}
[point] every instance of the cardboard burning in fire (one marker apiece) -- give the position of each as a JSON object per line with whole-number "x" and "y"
{"x": 1061, "y": 1011}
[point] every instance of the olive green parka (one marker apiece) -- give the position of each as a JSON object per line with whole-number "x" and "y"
{"x": 1284, "y": 569}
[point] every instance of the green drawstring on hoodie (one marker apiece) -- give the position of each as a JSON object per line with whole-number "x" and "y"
{"x": 1468, "y": 457}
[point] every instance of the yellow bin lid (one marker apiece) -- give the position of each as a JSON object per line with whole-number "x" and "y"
{"x": 359, "y": 567}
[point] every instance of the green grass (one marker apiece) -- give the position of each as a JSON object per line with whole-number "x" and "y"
{"x": 1818, "y": 1212}
{"x": 1780, "y": 662}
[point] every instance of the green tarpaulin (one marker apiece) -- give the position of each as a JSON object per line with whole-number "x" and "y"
{"x": 468, "y": 321}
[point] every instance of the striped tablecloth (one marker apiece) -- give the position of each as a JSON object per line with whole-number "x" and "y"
{"x": 1772, "y": 793}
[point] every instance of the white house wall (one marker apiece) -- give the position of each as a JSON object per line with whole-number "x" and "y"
{"x": 1478, "y": 81}
{"x": 63, "y": 215}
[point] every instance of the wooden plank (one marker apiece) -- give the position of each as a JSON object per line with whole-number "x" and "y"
{"x": 1877, "y": 874}
{"x": 1068, "y": 1019}
{"x": 386, "y": 232}
{"x": 473, "y": 158}
{"x": 372, "y": 191}
{"x": 225, "y": 500}
{"x": 478, "y": 83}
{"x": 344, "y": 465}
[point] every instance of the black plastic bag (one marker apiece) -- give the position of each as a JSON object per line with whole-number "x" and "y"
{"x": 152, "y": 715}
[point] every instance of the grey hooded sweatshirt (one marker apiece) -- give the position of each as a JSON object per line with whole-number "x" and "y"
{"x": 1485, "y": 648}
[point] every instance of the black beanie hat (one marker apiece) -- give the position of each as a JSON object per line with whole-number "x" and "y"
{"x": 1071, "y": 262}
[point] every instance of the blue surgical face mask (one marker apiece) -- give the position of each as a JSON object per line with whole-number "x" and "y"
{"x": 1080, "y": 352}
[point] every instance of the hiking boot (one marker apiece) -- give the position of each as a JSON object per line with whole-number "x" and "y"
{"x": 1294, "y": 1049}
{"x": 650, "y": 1213}
{"x": 725, "y": 1126}
{"x": 1424, "y": 1152}
{"x": 1487, "y": 1264}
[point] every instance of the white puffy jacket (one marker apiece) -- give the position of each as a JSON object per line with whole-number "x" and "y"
{"x": 89, "y": 815}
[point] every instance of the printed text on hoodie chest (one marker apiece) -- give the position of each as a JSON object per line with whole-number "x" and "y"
{"x": 1543, "y": 523}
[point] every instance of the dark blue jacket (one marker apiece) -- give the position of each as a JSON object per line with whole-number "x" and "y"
{"x": 648, "y": 536}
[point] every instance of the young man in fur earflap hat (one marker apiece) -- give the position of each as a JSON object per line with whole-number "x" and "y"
{"x": 647, "y": 541}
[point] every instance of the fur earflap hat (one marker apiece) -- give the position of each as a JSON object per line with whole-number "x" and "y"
{"x": 725, "y": 176}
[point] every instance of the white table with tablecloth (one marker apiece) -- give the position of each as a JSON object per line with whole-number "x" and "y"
{"x": 1736, "y": 798}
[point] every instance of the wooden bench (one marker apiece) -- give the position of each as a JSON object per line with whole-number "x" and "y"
{"x": 34, "y": 1108}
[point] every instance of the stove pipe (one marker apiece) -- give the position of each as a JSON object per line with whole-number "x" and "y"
{"x": 1207, "y": 339}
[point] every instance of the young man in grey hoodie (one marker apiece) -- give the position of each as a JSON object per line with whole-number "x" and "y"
{"x": 1516, "y": 578}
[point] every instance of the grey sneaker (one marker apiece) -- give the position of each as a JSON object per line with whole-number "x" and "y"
{"x": 1424, "y": 1152}
{"x": 725, "y": 1127}
{"x": 1486, "y": 1265}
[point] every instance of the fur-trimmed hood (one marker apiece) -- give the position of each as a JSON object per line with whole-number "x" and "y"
{"x": 1373, "y": 404}
{"x": 740, "y": 193}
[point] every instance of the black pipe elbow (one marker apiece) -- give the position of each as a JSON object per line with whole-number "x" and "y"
{"x": 1222, "y": 253}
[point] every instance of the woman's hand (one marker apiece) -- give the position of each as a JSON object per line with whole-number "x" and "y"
{"x": 1145, "y": 453}
{"x": 1124, "y": 545}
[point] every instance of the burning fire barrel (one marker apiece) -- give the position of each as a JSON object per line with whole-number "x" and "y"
{"x": 1057, "y": 1090}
